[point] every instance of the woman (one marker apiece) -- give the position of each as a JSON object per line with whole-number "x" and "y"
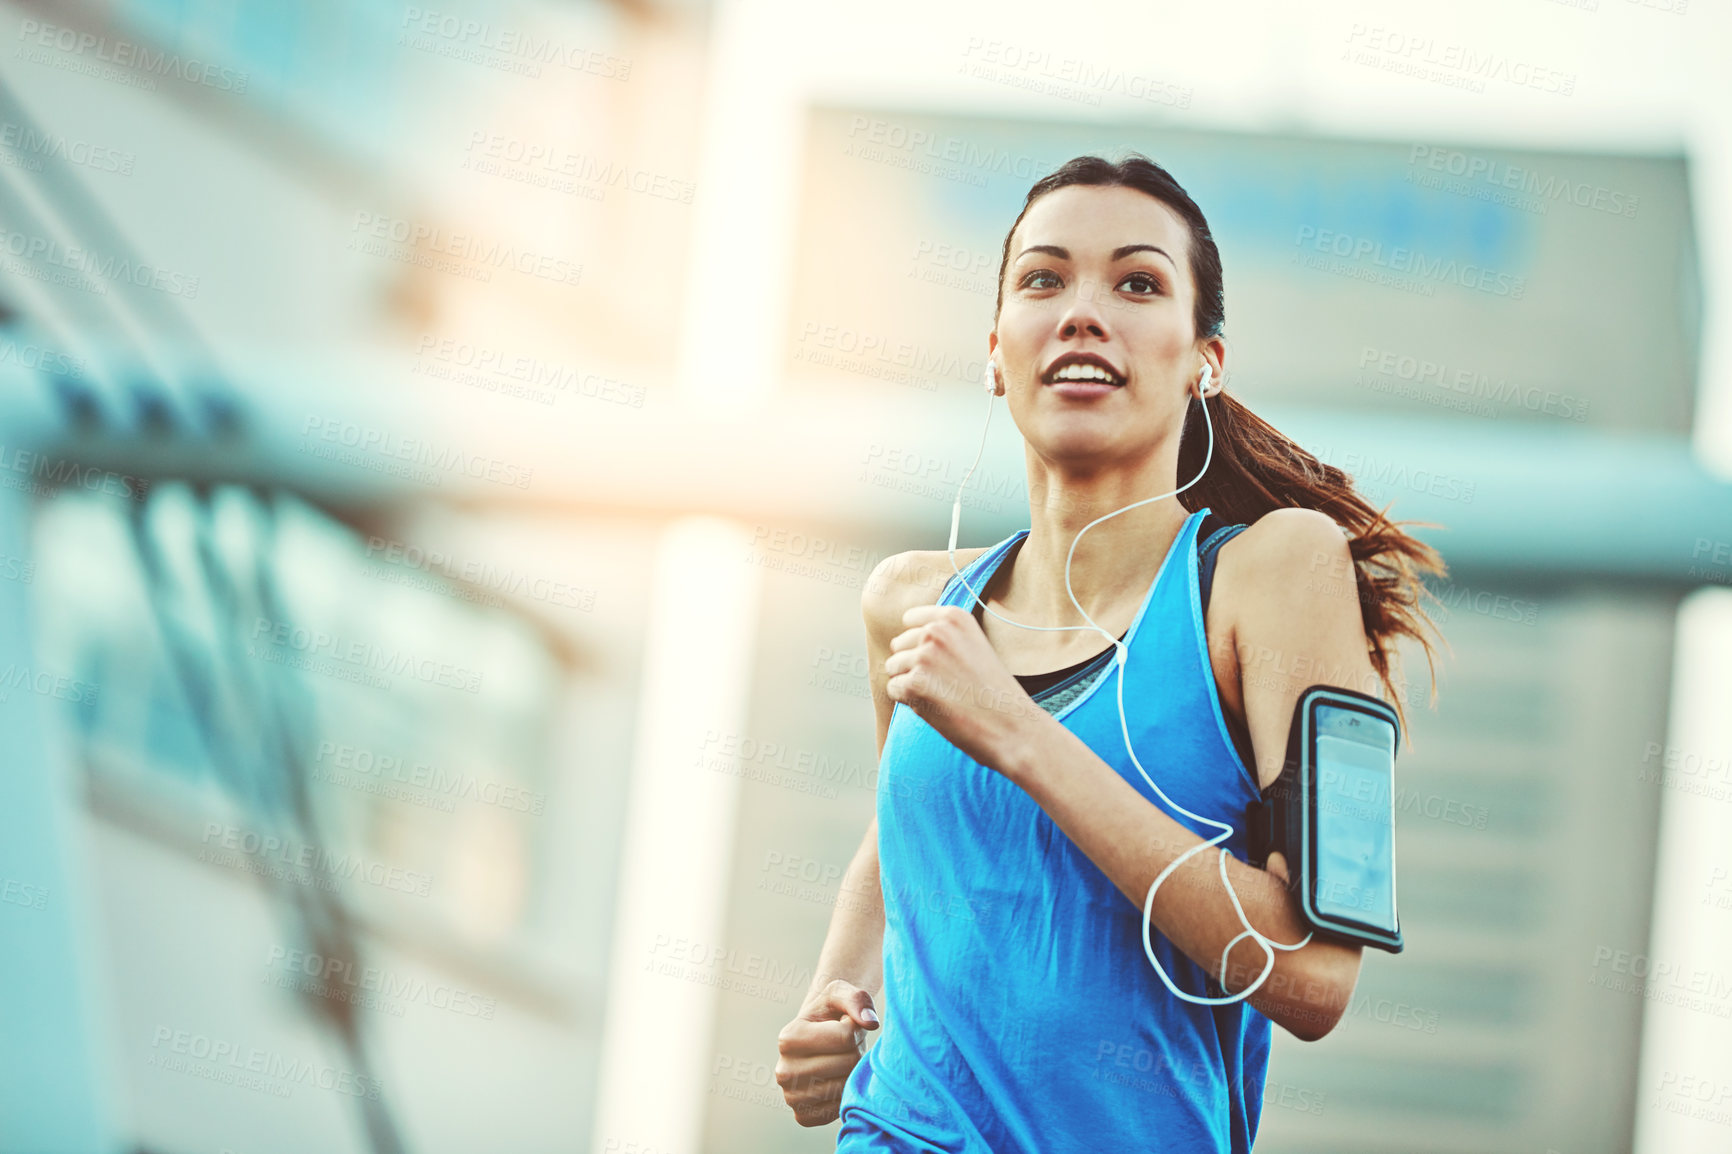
{"x": 1020, "y": 1011}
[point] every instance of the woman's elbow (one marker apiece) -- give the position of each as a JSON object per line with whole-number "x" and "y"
{"x": 1318, "y": 991}
{"x": 1310, "y": 1024}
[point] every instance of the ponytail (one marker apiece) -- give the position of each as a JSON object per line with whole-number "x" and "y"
{"x": 1256, "y": 468}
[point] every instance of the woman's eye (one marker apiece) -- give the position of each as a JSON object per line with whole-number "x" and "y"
{"x": 1040, "y": 275}
{"x": 1142, "y": 282}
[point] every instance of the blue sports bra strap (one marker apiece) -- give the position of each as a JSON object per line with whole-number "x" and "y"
{"x": 1207, "y": 555}
{"x": 1207, "y": 558}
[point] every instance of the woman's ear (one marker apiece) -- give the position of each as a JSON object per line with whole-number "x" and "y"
{"x": 1215, "y": 351}
{"x": 1211, "y": 369}
{"x": 994, "y": 375}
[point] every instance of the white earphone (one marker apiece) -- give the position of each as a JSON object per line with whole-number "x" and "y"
{"x": 1123, "y": 653}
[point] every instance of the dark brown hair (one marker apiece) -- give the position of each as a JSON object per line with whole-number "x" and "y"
{"x": 1255, "y": 468}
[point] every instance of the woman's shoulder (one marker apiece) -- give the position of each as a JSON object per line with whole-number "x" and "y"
{"x": 1287, "y": 526}
{"x": 1284, "y": 543}
{"x": 904, "y": 580}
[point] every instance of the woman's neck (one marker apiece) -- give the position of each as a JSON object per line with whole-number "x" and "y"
{"x": 1115, "y": 561}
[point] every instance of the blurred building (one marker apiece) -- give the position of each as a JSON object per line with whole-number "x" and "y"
{"x": 444, "y": 447}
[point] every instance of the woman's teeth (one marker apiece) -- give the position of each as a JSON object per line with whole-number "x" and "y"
{"x": 1084, "y": 373}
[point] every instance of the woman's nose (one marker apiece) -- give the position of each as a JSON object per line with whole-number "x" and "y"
{"x": 1086, "y": 310}
{"x": 1083, "y": 315}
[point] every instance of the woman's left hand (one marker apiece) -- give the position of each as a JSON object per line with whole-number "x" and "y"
{"x": 942, "y": 666}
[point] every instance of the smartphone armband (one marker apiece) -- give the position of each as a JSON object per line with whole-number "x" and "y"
{"x": 1331, "y": 814}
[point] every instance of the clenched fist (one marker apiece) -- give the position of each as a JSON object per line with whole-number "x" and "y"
{"x": 821, "y": 1047}
{"x": 942, "y": 666}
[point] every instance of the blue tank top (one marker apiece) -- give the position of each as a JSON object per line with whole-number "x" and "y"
{"x": 1020, "y": 1015}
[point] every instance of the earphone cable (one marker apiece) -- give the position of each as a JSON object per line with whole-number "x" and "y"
{"x": 1121, "y": 655}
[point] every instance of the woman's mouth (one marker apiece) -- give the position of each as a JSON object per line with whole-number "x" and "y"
{"x": 1082, "y": 375}
{"x": 1083, "y": 389}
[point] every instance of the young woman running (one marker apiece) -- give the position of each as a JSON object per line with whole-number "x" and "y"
{"x": 995, "y": 907}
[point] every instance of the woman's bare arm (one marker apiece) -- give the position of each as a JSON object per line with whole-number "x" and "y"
{"x": 819, "y": 1049}
{"x": 854, "y": 946}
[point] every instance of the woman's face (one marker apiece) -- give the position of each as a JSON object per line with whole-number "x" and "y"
{"x": 1099, "y": 275}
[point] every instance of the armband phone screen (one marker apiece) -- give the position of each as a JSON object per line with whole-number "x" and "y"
{"x": 1354, "y": 765}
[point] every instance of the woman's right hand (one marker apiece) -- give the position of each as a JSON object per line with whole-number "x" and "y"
{"x": 821, "y": 1047}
